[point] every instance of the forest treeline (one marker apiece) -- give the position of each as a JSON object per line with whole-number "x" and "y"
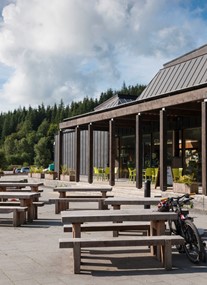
{"x": 27, "y": 135}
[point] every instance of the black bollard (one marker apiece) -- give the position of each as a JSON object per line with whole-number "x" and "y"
{"x": 147, "y": 191}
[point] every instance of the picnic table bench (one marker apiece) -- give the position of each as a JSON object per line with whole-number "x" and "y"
{"x": 117, "y": 202}
{"x": 22, "y": 190}
{"x": 26, "y": 199}
{"x": 157, "y": 221}
{"x": 159, "y": 247}
{"x": 33, "y": 186}
{"x": 14, "y": 181}
{"x": 67, "y": 190}
{"x": 17, "y": 203}
{"x": 18, "y": 213}
{"x": 141, "y": 227}
{"x": 165, "y": 242}
{"x": 60, "y": 201}
{"x": 65, "y": 197}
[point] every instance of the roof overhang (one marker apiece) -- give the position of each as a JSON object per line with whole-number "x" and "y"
{"x": 170, "y": 101}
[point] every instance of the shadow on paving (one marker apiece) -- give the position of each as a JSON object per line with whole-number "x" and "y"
{"x": 44, "y": 223}
{"x": 40, "y": 223}
{"x": 117, "y": 263}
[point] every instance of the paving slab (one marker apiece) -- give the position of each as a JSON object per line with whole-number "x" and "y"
{"x": 30, "y": 254}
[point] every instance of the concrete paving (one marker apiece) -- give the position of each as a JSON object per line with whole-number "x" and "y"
{"x": 30, "y": 254}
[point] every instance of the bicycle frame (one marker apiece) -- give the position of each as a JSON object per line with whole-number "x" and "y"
{"x": 185, "y": 227}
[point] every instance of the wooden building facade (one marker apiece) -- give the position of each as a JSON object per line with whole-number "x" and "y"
{"x": 167, "y": 121}
{"x": 68, "y": 149}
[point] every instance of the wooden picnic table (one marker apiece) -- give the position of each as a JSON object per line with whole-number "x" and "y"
{"x": 26, "y": 199}
{"x": 63, "y": 191}
{"x": 157, "y": 219}
{"x": 117, "y": 202}
{"x": 65, "y": 196}
{"x": 34, "y": 186}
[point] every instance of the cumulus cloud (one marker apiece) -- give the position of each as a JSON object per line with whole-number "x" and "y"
{"x": 52, "y": 50}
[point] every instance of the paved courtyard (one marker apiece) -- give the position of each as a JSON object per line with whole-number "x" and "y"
{"x": 30, "y": 255}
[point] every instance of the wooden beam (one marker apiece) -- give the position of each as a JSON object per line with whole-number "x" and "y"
{"x": 137, "y": 107}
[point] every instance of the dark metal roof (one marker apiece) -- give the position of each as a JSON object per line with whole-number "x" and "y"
{"x": 188, "y": 71}
{"x": 116, "y": 100}
{"x": 184, "y": 77}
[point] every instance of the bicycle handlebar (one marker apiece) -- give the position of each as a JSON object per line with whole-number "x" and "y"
{"x": 185, "y": 198}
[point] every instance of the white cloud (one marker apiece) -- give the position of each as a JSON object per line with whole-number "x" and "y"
{"x": 70, "y": 49}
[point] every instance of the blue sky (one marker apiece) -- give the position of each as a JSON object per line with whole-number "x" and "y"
{"x": 69, "y": 49}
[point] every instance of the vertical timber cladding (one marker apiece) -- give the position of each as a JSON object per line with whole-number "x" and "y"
{"x": 68, "y": 149}
{"x": 56, "y": 156}
{"x": 83, "y": 152}
{"x": 100, "y": 151}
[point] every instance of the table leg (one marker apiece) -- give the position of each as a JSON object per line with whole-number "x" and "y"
{"x": 35, "y": 208}
{"x": 101, "y": 205}
{"x": 103, "y": 194}
{"x": 76, "y": 230}
{"x": 116, "y": 207}
{"x": 157, "y": 228}
{"x": 34, "y": 188}
{"x": 28, "y": 203}
{"x": 62, "y": 205}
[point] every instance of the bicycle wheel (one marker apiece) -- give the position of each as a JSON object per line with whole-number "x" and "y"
{"x": 194, "y": 248}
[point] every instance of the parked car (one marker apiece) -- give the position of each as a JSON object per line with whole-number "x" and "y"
{"x": 17, "y": 170}
{"x": 25, "y": 169}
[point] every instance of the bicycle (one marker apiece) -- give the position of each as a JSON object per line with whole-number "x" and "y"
{"x": 184, "y": 226}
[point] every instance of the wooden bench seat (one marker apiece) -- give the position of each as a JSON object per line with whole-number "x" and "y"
{"x": 22, "y": 190}
{"x": 18, "y": 213}
{"x": 67, "y": 200}
{"x": 17, "y": 203}
{"x": 10, "y": 203}
{"x": 89, "y": 196}
{"x": 165, "y": 242}
{"x": 144, "y": 228}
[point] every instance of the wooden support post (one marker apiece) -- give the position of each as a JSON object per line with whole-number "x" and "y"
{"x": 112, "y": 152}
{"x": 204, "y": 147}
{"x": 163, "y": 150}
{"x": 90, "y": 153}
{"x": 138, "y": 151}
{"x": 59, "y": 153}
{"x": 183, "y": 149}
{"x": 175, "y": 143}
{"x": 77, "y": 154}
